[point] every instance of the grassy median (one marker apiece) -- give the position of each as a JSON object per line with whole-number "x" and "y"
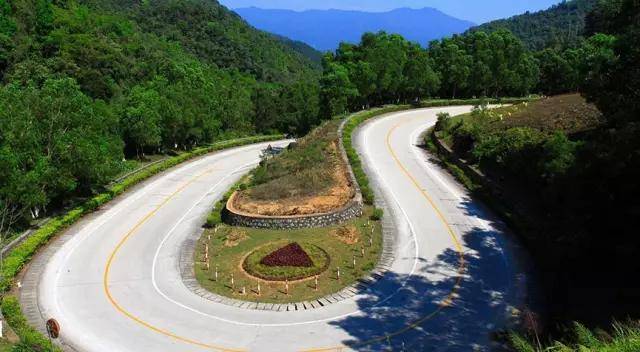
{"x": 228, "y": 246}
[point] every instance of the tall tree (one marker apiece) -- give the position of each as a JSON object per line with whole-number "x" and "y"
{"x": 420, "y": 78}
{"x": 454, "y": 65}
{"x": 141, "y": 118}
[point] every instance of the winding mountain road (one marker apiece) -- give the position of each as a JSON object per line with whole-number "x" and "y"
{"x": 115, "y": 285}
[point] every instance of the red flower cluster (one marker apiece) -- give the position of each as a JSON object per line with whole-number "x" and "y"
{"x": 289, "y": 255}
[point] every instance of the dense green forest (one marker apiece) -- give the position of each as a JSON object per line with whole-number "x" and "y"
{"x": 386, "y": 68}
{"x": 559, "y": 27}
{"x": 578, "y": 186}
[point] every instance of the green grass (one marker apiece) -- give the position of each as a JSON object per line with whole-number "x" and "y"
{"x": 30, "y": 338}
{"x": 6, "y": 346}
{"x": 318, "y": 256}
{"x": 625, "y": 338}
{"x": 229, "y": 260}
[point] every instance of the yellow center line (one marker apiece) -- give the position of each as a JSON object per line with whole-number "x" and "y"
{"x": 461, "y": 264}
{"x": 127, "y": 236}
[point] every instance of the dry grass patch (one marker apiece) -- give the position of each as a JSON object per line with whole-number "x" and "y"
{"x": 234, "y": 237}
{"x": 347, "y": 234}
{"x": 308, "y": 178}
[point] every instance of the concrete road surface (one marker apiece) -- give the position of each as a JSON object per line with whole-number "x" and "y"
{"x": 457, "y": 276}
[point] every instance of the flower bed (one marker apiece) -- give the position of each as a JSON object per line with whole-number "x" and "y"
{"x": 280, "y": 261}
{"x": 289, "y": 255}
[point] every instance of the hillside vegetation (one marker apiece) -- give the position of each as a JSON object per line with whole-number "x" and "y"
{"x": 85, "y": 84}
{"x": 559, "y": 27}
{"x": 310, "y": 177}
{"x": 568, "y": 181}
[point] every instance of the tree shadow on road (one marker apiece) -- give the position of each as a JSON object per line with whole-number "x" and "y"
{"x": 419, "y": 318}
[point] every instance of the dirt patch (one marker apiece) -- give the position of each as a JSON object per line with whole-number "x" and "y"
{"x": 234, "y": 237}
{"x": 347, "y": 234}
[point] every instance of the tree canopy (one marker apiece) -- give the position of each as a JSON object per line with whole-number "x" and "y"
{"x": 559, "y": 27}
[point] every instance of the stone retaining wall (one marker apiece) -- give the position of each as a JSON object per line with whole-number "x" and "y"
{"x": 352, "y": 210}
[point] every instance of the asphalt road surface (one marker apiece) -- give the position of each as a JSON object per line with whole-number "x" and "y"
{"x": 457, "y": 276}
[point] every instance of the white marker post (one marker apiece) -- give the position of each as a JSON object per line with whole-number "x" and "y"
{"x": 338, "y": 273}
{"x": 232, "y": 282}
{"x": 316, "y": 280}
{"x": 258, "y": 288}
{"x": 216, "y": 274}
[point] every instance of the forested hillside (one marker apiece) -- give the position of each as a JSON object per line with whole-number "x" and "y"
{"x": 85, "y": 84}
{"x": 559, "y": 27}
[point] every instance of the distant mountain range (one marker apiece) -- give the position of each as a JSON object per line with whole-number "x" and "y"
{"x": 472, "y": 10}
{"x": 325, "y": 29}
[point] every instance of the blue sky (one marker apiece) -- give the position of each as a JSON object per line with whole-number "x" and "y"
{"x": 477, "y": 11}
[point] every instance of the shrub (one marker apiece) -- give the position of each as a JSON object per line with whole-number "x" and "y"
{"x": 377, "y": 214}
{"x": 444, "y": 121}
{"x": 214, "y": 219}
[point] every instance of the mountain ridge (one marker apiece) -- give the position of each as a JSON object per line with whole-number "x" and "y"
{"x": 325, "y": 29}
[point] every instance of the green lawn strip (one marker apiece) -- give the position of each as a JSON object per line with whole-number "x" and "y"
{"x": 479, "y": 101}
{"x": 228, "y": 260}
{"x": 22, "y": 253}
{"x": 30, "y": 338}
